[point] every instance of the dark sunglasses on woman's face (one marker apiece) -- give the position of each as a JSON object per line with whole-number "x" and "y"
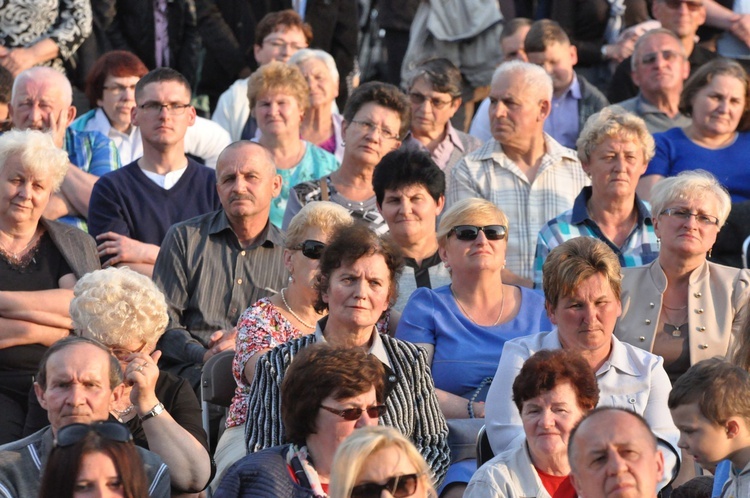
{"x": 398, "y": 487}
{"x": 73, "y": 433}
{"x": 311, "y": 249}
{"x": 471, "y": 232}
{"x": 352, "y": 414}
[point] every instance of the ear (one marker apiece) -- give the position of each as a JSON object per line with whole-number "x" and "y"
{"x": 545, "y": 107}
{"x": 440, "y": 205}
{"x": 134, "y": 115}
{"x": 455, "y": 105}
{"x": 191, "y": 115}
{"x": 585, "y": 166}
{"x": 277, "y": 181}
{"x": 443, "y": 255}
{"x": 117, "y": 393}
{"x": 256, "y": 52}
{"x": 634, "y": 73}
{"x": 576, "y": 485}
{"x": 659, "y": 465}
{"x": 573, "y": 55}
{"x": 551, "y": 313}
{"x": 732, "y": 428}
{"x": 288, "y": 259}
{"x": 40, "y": 395}
{"x": 686, "y": 69}
{"x": 655, "y": 222}
{"x": 71, "y": 115}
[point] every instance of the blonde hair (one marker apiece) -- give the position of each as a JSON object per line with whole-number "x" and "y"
{"x": 325, "y": 215}
{"x": 352, "y": 455}
{"x": 117, "y": 305}
{"x": 472, "y": 210}
{"x": 614, "y": 122}
{"x": 278, "y": 76}
{"x": 38, "y": 154}
{"x": 693, "y": 184}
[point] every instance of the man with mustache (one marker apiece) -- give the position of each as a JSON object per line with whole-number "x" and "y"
{"x": 132, "y": 208}
{"x": 215, "y": 265}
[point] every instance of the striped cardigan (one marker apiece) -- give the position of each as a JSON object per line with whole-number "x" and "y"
{"x": 412, "y": 406}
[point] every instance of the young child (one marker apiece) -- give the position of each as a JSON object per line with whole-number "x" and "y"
{"x": 710, "y": 405}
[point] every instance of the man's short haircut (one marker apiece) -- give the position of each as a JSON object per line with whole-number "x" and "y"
{"x": 162, "y": 74}
{"x": 384, "y": 95}
{"x": 40, "y": 73}
{"x": 117, "y": 63}
{"x": 721, "y": 390}
{"x": 514, "y": 25}
{"x": 531, "y": 75}
{"x": 441, "y": 73}
{"x": 634, "y": 60}
{"x": 281, "y": 20}
{"x": 703, "y": 77}
{"x": 115, "y": 371}
{"x": 543, "y": 34}
{"x": 402, "y": 168}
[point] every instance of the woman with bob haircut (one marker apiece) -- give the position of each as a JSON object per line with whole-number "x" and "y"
{"x": 356, "y": 284}
{"x": 279, "y": 97}
{"x": 614, "y": 148}
{"x": 553, "y": 391}
{"x": 683, "y": 307}
{"x": 328, "y": 393}
{"x": 377, "y": 459}
{"x": 582, "y": 287}
{"x": 98, "y": 459}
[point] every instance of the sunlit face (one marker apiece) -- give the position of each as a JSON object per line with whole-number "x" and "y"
{"x": 426, "y": 118}
{"x": 615, "y": 457}
{"x": 615, "y": 166}
{"x": 367, "y": 147}
{"x": 278, "y": 113}
{"x": 558, "y": 60}
{"x": 685, "y": 238}
{"x": 358, "y": 293}
{"x": 162, "y": 128}
{"x": 718, "y": 107}
{"x": 411, "y": 213}
{"x": 323, "y": 87}
{"x": 468, "y": 257}
{"x": 23, "y": 195}
{"x": 35, "y": 103}
{"x": 683, "y": 20}
{"x": 517, "y": 112}
{"x": 512, "y": 46}
{"x": 668, "y": 70}
{"x": 386, "y": 464}
{"x": 586, "y": 319}
{"x": 118, "y": 100}
{"x": 303, "y": 269}
{"x": 280, "y": 45}
{"x": 702, "y": 439}
{"x": 98, "y": 478}
{"x": 547, "y": 421}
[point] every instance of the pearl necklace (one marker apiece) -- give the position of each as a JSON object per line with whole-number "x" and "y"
{"x": 502, "y": 307}
{"x": 295, "y": 315}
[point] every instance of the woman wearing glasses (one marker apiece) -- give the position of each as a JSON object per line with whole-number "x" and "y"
{"x": 682, "y": 307}
{"x": 463, "y": 326}
{"x": 280, "y": 318}
{"x": 328, "y": 392}
{"x": 378, "y": 459}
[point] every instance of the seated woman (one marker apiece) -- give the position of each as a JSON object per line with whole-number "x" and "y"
{"x": 285, "y": 316}
{"x": 682, "y": 307}
{"x": 279, "y": 98}
{"x": 94, "y": 460}
{"x": 378, "y": 459}
{"x": 328, "y": 392}
{"x": 356, "y": 284}
{"x": 40, "y": 262}
{"x": 582, "y": 293}
{"x": 614, "y": 148}
{"x": 463, "y": 326}
{"x": 552, "y": 392}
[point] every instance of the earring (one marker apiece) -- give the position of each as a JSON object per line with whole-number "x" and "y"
{"x": 658, "y": 242}
{"x": 709, "y": 252}
{"x": 291, "y": 279}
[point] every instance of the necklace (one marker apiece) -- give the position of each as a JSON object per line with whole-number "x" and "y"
{"x": 502, "y": 307}
{"x": 15, "y": 257}
{"x": 295, "y": 315}
{"x": 675, "y": 332}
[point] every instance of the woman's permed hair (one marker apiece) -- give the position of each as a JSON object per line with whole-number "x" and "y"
{"x": 278, "y": 77}
{"x": 306, "y": 54}
{"x": 38, "y": 153}
{"x": 693, "y": 185}
{"x": 326, "y": 216}
{"x": 384, "y": 95}
{"x": 616, "y": 123}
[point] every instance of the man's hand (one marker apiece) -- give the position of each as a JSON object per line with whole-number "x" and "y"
{"x": 57, "y": 125}
{"x": 741, "y": 28}
{"x": 511, "y": 278}
{"x": 221, "y": 340}
{"x": 142, "y": 373}
{"x": 123, "y": 249}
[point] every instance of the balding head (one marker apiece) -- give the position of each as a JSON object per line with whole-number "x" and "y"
{"x": 40, "y": 74}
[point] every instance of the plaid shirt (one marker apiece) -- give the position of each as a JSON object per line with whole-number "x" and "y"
{"x": 489, "y": 174}
{"x": 640, "y": 248}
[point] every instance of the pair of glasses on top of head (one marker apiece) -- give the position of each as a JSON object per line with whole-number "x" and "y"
{"x": 685, "y": 214}
{"x": 352, "y": 414}
{"x": 73, "y": 433}
{"x": 311, "y": 249}
{"x": 691, "y": 4}
{"x": 471, "y": 232}
{"x": 419, "y": 99}
{"x": 397, "y": 486}
{"x": 156, "y": 107}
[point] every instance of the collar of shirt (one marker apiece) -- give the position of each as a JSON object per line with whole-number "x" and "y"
{"x": 270, "y": 236}
{"x": 581, "y": 213}
{"x": 166, "y": 181}
{"x": 618, "y": 355}
{"x": 493, "y": 149}
{"x": 377, "y": 349}
{"x": 643, "y": 106}
{"x": 451, "y": 136}
{"x": 573, "y": 91}
{"x": 426, "y": 262}
{"x": 101, "y": 123}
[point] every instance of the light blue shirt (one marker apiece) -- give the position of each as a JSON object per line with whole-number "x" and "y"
{"x": 562, "y": 123}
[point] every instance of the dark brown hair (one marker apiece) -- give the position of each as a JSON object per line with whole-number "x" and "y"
{"x": 543, "y": 34}
{"x": 703, "y": 77}
{"x": 384, "y": 95}
{"x": 118, "y": 63}
{"x": 115, "y": 370}
{"x": 275, "y": 21}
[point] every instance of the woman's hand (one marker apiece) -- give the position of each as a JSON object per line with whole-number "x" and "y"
{"x": 142, "y": 373}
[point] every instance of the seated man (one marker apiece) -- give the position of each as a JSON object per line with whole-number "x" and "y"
{"x": 77, "y": 380}
{"x": 132, "y": 208}
{"x": 42, "y": 100}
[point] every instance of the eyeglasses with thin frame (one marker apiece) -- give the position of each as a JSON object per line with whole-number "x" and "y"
{"x": 155, "y": 108}
{"x": 278, "y": 44}
{"x": 370, "y": 127}
{"x": 352, "y": 414}
{"x": 692, "y": 5}
{"x": 667, "y": 55}
{"x": 311, "y": 249}
{"x": 118, "y": 89}
{"x": 73, "y": 433}
{"x": 123, "y": 353}
{"x": 417, "y": 98}
{"x": 398, "y": 486}
{"x": 471, "y": 232}
{"x": 685, "y": 214}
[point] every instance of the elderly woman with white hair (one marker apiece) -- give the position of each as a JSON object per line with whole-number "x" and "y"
{"x": 321, "y": 124}
{"x": 40, "y": 262}
{"x": 681, "y": 306}
{"x": 614, "y": 148}
{"x": 127, "y": 312}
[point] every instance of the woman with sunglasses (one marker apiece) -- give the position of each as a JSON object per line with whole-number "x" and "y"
{"x": 328, "y": 392}
{"x": 94, "y": 460}
{"x": 464, "y": 325}
{"x": 378, "y": 459}
{"x": 282, "y": 317}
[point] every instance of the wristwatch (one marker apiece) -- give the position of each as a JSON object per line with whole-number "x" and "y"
{"x": 604, "y": 51}
{"x": 153, "y": 412}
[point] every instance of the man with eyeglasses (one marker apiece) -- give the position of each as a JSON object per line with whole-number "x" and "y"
{"x": 78, "y": 379}
{"x": 683, "y": 18}
{"x": 132, "y": 208}
{"x": 660, "y": 69}
{"x": 42, "y": 99}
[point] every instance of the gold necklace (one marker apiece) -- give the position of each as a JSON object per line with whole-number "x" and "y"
{"x": 15, "y": 257}
{"x": 502, "y": 307}
{"x": 295, "y": 315}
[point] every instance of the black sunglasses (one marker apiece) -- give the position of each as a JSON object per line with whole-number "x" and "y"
{"x": 352, "y": 414}
{"x": 471, "y": 232}
{"x": 311, "y": 249}
{"x": 398, "y": 487}
{"x": 73, "y": 433}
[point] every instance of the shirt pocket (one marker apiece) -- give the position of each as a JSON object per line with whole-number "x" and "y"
{"x": 633, "y": 401}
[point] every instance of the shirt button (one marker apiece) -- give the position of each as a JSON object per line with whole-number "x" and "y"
{"x": 699, "y": 311}
{"x": 651, "y": 305}
{"x": 239, "y": 281}
{"x": 702, "y": 329}
{"x": 648, "y": 322}
{"x": 641, "y": 338}
{"x": 242, "y": 253}
{"x": 631, "y": 401}
{"x": 702, "y": 346}
{"x": 697, "y": 294}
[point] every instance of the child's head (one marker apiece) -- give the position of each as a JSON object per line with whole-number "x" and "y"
{"x": 547, "y": 45}
{"x": 710, "y": 405}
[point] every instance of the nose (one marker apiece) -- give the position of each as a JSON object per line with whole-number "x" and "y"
{"x": 615, "y": 463}
{"x": 547, "y": 419}
{"x": 682, "y": 443}
{"x": 498, "y": 110}
{"x": 366, "y": 421}
{"x": 481, "y": 238}
{"x": 76, "y": 394}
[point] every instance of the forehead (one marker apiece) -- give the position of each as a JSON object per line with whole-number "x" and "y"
{"x": 244, "y": 159}
{"x": 42, "y": 89}
{"x": 386, "y": 463}
{"x": 514, "y": 41}
{"x": 408, "y": 191}
{"x": 79, "y": 360}
{"x": 510, "y": 85}
{"x": 379, "y": 114}
{"x": 594, "y": 287}
{"x": 127, "y": 80}
{"x": 284, "y": 32}
{"x": 372, "y": 266}
{"x": 659, "y": 41}
{"x": 163, "y": 90}
{"x": 612, "y": 428}
{"x": 551, "y": 52}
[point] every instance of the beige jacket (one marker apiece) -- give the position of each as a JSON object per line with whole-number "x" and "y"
{"x": 717, "y": 305}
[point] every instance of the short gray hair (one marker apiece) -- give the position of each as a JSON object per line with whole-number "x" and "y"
{"x": 614, "y": 122}
{"x": 40, "y": 73}
{"x": 307, "y": 54}
{"x": 532, "y": 76}
{"x": 692, "y": 184}
{"x": 324, "y": 215}
{"x": 38, "y": 154}
{"x": 648, "y": 34}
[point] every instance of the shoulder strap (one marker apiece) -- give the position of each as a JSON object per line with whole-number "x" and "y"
{"x": 324, "y": 188}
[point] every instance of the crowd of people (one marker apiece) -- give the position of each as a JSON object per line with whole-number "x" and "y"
{"x": 526, "y": 233}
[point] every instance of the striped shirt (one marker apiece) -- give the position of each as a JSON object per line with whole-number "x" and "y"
{"x": 489, "y": 174}
{"x": 640, "y": 248}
